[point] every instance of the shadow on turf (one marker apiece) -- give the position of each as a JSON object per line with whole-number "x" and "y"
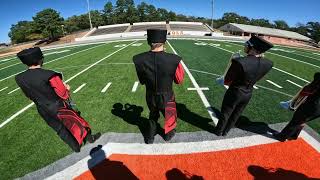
{"x": 176, "y": 174}
{"x": 261, "y": 128}
{"x": 262, "y": 173}
{"x": 103, "y": 168}
{"x": 194, "y": 119}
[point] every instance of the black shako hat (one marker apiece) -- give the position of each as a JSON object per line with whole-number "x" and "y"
{"x": 259, "y": 44}
{"x": 31, "y": 56}
{"x": 156, "y": 36}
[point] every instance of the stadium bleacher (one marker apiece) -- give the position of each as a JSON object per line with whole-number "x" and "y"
{"x": 110, "y": 30}
{"x": 188, "y": 27}
{"x": 138, "y": 28}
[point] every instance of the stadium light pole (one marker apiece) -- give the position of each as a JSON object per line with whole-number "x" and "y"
{"x": 212, "y": 1}
{"x": 89, "y": 14}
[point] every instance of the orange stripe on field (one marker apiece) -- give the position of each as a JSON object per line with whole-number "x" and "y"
{"x": 289, "y": 160}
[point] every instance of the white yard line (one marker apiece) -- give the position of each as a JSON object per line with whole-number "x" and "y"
{"x": 3, "y": 89}
{"x": 275, "y": 84}
{"x": 13, "y": 91}
{"x": 194, "y": 89}
{"x": 307, "y": 56}
{"x": 285, "y": 72}
{"x": 199, "y": 91}
{"x": 9, "y": 66}
{"x": 79, "y": 88}
{"x": 294, "y": 83}
{"x": 31, "y": 104}
{"x": 106, "y": 87}
{"x": 255, "y": 87}
{"x": 54, "y": 60}
{"x": 4, "y": 60}
{"x": 274, "y": 91}
{"x": 135, "y": 86}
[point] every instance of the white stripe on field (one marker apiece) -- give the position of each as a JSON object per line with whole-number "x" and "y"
{"x": 106, "y": 87}
{"x": 135, "y": 86}
{"x": 4, "y": 60}
{"x": 255, "y": 87}
{"x": 201, "y": 94}
{"x": 13, "y": 91}
{"x": 294, "y": 83}
{"x": 273, "y": 83}
{"x": 9, "y": 66}
{"x": 54, "y": 60}
{"x": 3, "y": 89}
{"x": 30, "y": 105}
{"x": 203, "y": 89}
{"x": 79, "y": 88}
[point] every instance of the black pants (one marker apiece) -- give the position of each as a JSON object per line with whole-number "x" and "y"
{"x": 156, "y": 105}
{"x": 305, "y": 113}
{"x": 61, "y": 130}
{"x": 234, "y": 102}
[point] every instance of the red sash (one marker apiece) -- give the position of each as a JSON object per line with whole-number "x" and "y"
{"x": 77, "y": 126}
{"x": 170, "y": 116}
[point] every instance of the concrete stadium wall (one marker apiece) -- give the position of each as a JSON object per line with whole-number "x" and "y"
{"x": 148, "y": 23}
{"x": 180, "y": 22}
{"x": 114, "y": 25}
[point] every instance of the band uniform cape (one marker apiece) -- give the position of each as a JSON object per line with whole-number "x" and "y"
{"x": 35, "y": 84}
{"x": 156, "y": 70}
{"x": 242, "y": 75}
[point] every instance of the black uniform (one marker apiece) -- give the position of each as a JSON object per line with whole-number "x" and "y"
{"x": 308, "y": 111}
{"x": 156, "y": 70}
{"x": 244, "y": 73}
{"x": 35, "y": 85}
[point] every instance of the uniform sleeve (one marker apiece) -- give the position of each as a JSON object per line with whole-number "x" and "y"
{"x": 310, "y": 89}
{"x": 58, "y": 86}
{"x": 179, "y": 75}
{"x": 233, "y": 72}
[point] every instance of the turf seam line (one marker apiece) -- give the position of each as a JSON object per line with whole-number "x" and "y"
{"x": 31, "y": 104}
{"x": 79, "y": 88}
{"x": 106, "y": 87}
{"x": 194, "y": 89}
{"x": 275, "y": 84}
{"x": 135, "y": 86}
{"x": 200, "y": 93}
{"x": 294, "y": 83}
{"x": 55, "y": 60}
{"x": 13, "y": 91}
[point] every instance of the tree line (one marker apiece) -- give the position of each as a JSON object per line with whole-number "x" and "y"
{"x": 49, "y": 24}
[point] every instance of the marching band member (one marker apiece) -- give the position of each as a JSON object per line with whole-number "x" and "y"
{"x": 51, "y": 96}
{"x": 157, "y": 70}
{"x": 307, "y": 108}
{"x": 242, "y": 75}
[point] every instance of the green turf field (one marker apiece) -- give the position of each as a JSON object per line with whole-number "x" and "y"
{"x": 28, "y": 144}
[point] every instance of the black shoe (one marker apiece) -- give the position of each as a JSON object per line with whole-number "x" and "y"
{"x": 92, "y": 138}
{"x": 217, "y": 132}
{"x": 170, "y": 135}
{"x": 279, "y": 137}
{"x": 149, "y": 140}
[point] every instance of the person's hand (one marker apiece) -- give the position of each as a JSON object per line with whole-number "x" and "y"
{"x": 67, "y": 86}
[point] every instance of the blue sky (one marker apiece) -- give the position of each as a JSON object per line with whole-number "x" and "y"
{"x": 292, "y": 11}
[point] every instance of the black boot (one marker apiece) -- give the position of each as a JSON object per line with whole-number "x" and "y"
{"x": 279, "y": 136}
{"x": 170, "y": 135}
{"x": 149, "y": 140}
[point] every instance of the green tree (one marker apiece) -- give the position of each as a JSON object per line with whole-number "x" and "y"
{"x": 142, "y": 11}
{"x": 152, "y": 13}
{"x": 163, "y": 13}
{"x": 96, "y": 18}
{"x": 261, "y": 22}
{"x": 49, "y": 22}
{"x": 281, "y": 24}
{"x": 132, "y": 14}
{"x": 234, "y": 18}
{"x": 108, "y": 15}
{"x": 172, "y": 16}
{"x": 23, "y": 31}
{"x": 313, "y": 29}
